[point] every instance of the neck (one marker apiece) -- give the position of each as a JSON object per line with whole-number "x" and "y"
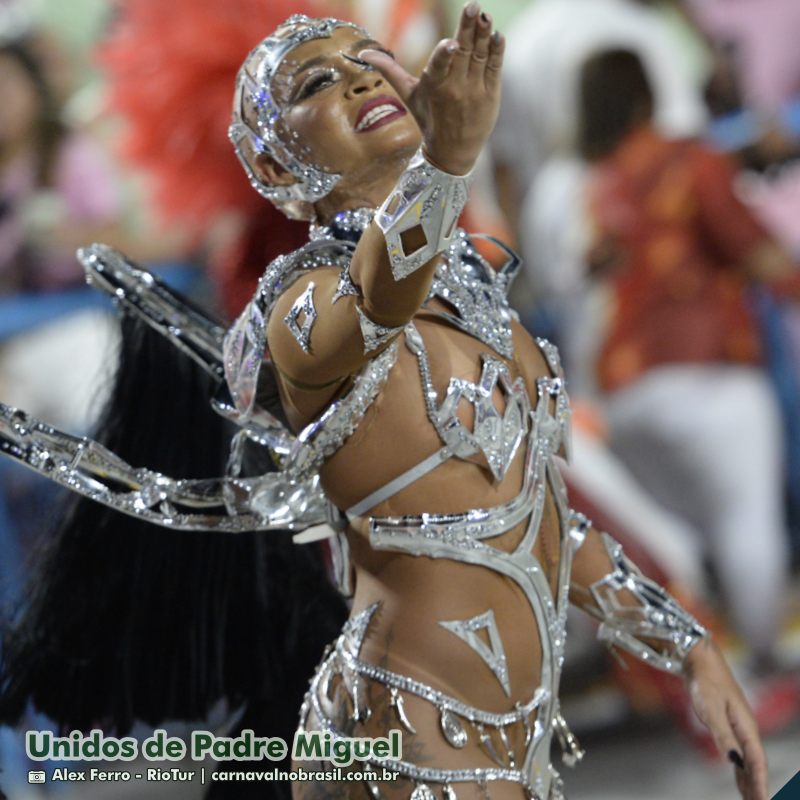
{"x": 365, "y": 188}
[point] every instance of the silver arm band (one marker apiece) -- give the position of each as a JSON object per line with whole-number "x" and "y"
{"x": 424, "y": 197}
{"x": 656, "y": 617}
{"x": 226, "y": 504}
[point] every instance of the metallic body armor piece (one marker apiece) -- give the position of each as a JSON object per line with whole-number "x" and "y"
{"x": 657, "y": 617}
{"x": 427, "y": 198}
{"x": 293, "y": 498}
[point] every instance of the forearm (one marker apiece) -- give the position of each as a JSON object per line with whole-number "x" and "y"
{"x": 395, "y": 260}
{"x": 635, "y": 613}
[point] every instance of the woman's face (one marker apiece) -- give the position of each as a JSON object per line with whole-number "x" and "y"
{"x": 19, "y": 102}
{"x": 340, "y": 116}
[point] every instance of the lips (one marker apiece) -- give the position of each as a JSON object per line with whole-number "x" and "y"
{"x": 378, "y": 112}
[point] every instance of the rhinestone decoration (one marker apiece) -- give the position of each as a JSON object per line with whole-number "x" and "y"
{"x": 497, "y": 436}
{"x": 571, "y": 751}
{"x": 422, "y": 792}
{"x": 302, "y": 307}
{"x": 657, "y": 617}
{"x": 373, "y": 334}
{"x": 463, "y": 278}
{"x": 478, "y": 293}
{"x": 345, "y": 287}
{"x": 398, "y": 704}
{"x": 343, "y": 660}
{"x": 346, "y": 226}
{"x": 452, "y": 729}
{"x": 325, "y": 436}
{"x": 493, "y": 654}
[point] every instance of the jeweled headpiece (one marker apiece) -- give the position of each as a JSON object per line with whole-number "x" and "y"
{"x": 257, "y": 113}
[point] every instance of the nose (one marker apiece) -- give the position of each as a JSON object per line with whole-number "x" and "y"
{"x": 364, "y": 78}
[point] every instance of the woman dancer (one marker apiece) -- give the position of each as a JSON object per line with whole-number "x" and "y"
{"x": 433, "y": 421}
{"x": 438, "y": 421}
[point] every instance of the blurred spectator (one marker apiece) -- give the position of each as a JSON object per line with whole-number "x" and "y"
{"x": 546, "y": 48}
{"x": 762, "y": 37}
{"x": 56, "y": 188}
{"x": 680, "y": 358}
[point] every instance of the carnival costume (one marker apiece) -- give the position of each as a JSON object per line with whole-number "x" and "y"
{"x": 635, "y": 613}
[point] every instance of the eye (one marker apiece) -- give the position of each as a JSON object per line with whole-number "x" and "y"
{"x": 315, "y": 83}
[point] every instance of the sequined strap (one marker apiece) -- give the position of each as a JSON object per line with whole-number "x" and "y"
{"x": 654, "y": 616}
{"x": 399, "y": 483}
{"x": 323, "y": 437}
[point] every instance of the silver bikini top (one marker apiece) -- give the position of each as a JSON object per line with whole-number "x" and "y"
{"x": 476, "y": 292}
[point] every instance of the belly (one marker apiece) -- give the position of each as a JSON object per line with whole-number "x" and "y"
{"x": 419, "y": 593}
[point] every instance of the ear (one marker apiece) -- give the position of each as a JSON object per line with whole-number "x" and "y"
{"x": 271, "y": 172}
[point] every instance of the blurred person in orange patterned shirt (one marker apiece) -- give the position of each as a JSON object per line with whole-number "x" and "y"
{"x": 690, "y": 408}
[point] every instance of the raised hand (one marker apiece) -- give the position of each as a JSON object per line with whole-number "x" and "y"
{"x": 720, "y": 704}
{"x": 456, "y": 98}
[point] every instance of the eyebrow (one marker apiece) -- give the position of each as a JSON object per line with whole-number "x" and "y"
{"x": 356, "y": 47}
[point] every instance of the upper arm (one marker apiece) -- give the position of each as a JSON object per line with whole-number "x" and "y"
{"x": 313, "y": 340}
{"x": 316, "y": 336}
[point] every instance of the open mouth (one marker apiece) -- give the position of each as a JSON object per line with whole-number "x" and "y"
{"x": 378, "y": 112}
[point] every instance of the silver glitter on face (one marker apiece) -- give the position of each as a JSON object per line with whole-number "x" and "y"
{"x": 258, "y": 127}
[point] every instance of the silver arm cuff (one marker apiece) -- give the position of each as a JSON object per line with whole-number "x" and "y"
{"x": 424, "y": 197}
{"x": 656, "y": 616}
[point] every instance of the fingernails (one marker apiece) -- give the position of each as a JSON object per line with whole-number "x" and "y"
{"x": 485, "y": 18}
{"x": 736, "y": 758}
{"x": 496, "y": 37}
{"x": 451, "y": 47}
{"x": 472, "y": 9}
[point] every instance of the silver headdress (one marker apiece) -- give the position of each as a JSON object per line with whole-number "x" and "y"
{"x": 257, "y": 117}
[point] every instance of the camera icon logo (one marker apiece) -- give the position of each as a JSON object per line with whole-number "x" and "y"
{"x": 36, "y": 776}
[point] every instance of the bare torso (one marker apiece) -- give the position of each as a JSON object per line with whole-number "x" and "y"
{"x": 416, "y": 593}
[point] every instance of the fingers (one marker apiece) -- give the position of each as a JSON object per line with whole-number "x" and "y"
{"x": 494, "y": 62}
{"x": 724, "y": 738}
{"x": 438, "y": 64}
{"x": 401, "y": 81}
{"x": 752, "y": 776}
{"x": 480, "y": 52}
{"x": 465, "y": 36}
{"x": 480, "y": 45}
{"x": 465, "y": 32}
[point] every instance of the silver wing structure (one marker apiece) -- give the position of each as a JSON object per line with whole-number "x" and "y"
{"x": 226, "y": 504}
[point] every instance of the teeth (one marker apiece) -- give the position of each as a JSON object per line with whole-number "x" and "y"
{"x": 375, "y": 114}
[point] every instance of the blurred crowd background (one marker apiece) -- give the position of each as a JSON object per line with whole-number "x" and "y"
{"x": 646, "y": 165}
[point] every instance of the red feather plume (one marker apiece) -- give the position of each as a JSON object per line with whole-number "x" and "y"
{"x": 171, "y": 68}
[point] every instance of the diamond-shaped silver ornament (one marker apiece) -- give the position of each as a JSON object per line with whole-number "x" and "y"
{"x": 302, "y": 307}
